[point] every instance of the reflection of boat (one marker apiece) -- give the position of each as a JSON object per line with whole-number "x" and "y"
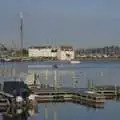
{"x": 43, "y": 66}
{"x": 40, "y": 66}
{"x": 55, "y": 66}
{"x": 74, "y": 62}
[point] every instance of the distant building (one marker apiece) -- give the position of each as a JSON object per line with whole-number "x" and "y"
{"x": 65, "y": 53}
{"x": 3, "y": 51}
{"x": 42, "y": 51}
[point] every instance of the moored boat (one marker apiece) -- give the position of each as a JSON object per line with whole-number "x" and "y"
{"x": 74, "y": 62}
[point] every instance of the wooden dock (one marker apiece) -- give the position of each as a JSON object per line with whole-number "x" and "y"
{"x": 110, "y": 92}
{"x": 93, "y": 97}
{"x": 81, "y": 96}
{"x": 5, "y": 100}
{"x": 89, "y": 97}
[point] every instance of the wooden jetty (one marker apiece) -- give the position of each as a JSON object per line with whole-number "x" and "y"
{"x": 5, "y": 99}
{"x": 81, "y": 96}
{"x": 93, "y": 97}
{"x": 89, "y": 97}
{"x": 110, "y": 92}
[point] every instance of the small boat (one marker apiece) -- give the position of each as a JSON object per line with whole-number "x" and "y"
{"x": 55, "y": 66}
{"x": 7, "y": 60}
{"x": 74, "y": 62}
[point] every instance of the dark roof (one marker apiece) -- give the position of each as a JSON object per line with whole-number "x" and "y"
{"x": 66, "y": 47}
{"x": 40, "y": 47}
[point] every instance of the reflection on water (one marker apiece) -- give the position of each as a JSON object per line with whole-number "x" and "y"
{"x": 19, "y": 114}
{"x": 69, "y": 111}
{"x": 46, "y": 112}
{"x": 99, "y": 72}
{"x": 69, "y": 75}
{"x": 64, "y": 111}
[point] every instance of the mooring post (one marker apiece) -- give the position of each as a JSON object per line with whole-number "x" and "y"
{"x": 55, "y": 79}
{"x": 73, "y": 79}
{"x": 89, "y": 85}
{"x": 115, "y": 90}
{"x": 55, "y": 112}
{"x": 46, "y": 112}
{"x": 46, "y": 77}
{"x": 35, "y": 78}
{"x": 93, "y": 85}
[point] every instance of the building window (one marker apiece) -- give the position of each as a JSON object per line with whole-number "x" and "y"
{"x": 68, "y": 55}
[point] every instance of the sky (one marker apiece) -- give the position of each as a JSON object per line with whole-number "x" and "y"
{"x": 81, "y": 23}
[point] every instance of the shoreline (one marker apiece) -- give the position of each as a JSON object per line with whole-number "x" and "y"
{"x": 27, "y": 59}
{"x": 98, "y": 59}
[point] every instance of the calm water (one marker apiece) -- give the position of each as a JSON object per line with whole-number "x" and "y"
{"x": 100, "y": 72}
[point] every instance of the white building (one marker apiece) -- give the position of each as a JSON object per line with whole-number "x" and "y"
{"x": 42, "y": 51}
{"x": 65, "y": 53}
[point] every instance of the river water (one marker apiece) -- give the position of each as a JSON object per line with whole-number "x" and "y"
{"x": 101, "y": 73}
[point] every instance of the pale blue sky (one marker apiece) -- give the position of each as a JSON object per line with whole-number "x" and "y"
{"x": 82, "y": 23}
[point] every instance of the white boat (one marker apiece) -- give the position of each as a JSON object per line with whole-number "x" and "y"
{"x": 74, "y": 62}
{"x": 7, "y": 59}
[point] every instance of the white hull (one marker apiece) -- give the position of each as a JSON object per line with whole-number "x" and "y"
{"x": 74, "y": 62}
{"x": 7, "y": 59}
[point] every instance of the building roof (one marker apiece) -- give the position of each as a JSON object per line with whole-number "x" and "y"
{"x": 66, "y": 47}
{"x": 40, "y": 47}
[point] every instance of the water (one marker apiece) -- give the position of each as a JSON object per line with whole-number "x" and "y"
{"x": 102, "y": 73}
{"x": 70, "y": 111}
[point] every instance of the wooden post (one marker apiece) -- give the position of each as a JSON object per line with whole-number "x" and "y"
{"x": 55, "y": 79}
{"x": 92, "y": 85}
{"x": 46, "y": 112}
{"x": 73, "y": 79}
{"x": 55, "y": 113}
{"x": 89, "y": 85}
{"x": 115, "y": 90}
{"x": 46, "y": 77}
{"x": 35, "y": 78}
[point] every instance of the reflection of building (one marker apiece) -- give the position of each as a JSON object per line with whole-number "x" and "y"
{"x": 65, "y": 53}
{"x": 30, "y": 79}
{"x": 42, "y": 51}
